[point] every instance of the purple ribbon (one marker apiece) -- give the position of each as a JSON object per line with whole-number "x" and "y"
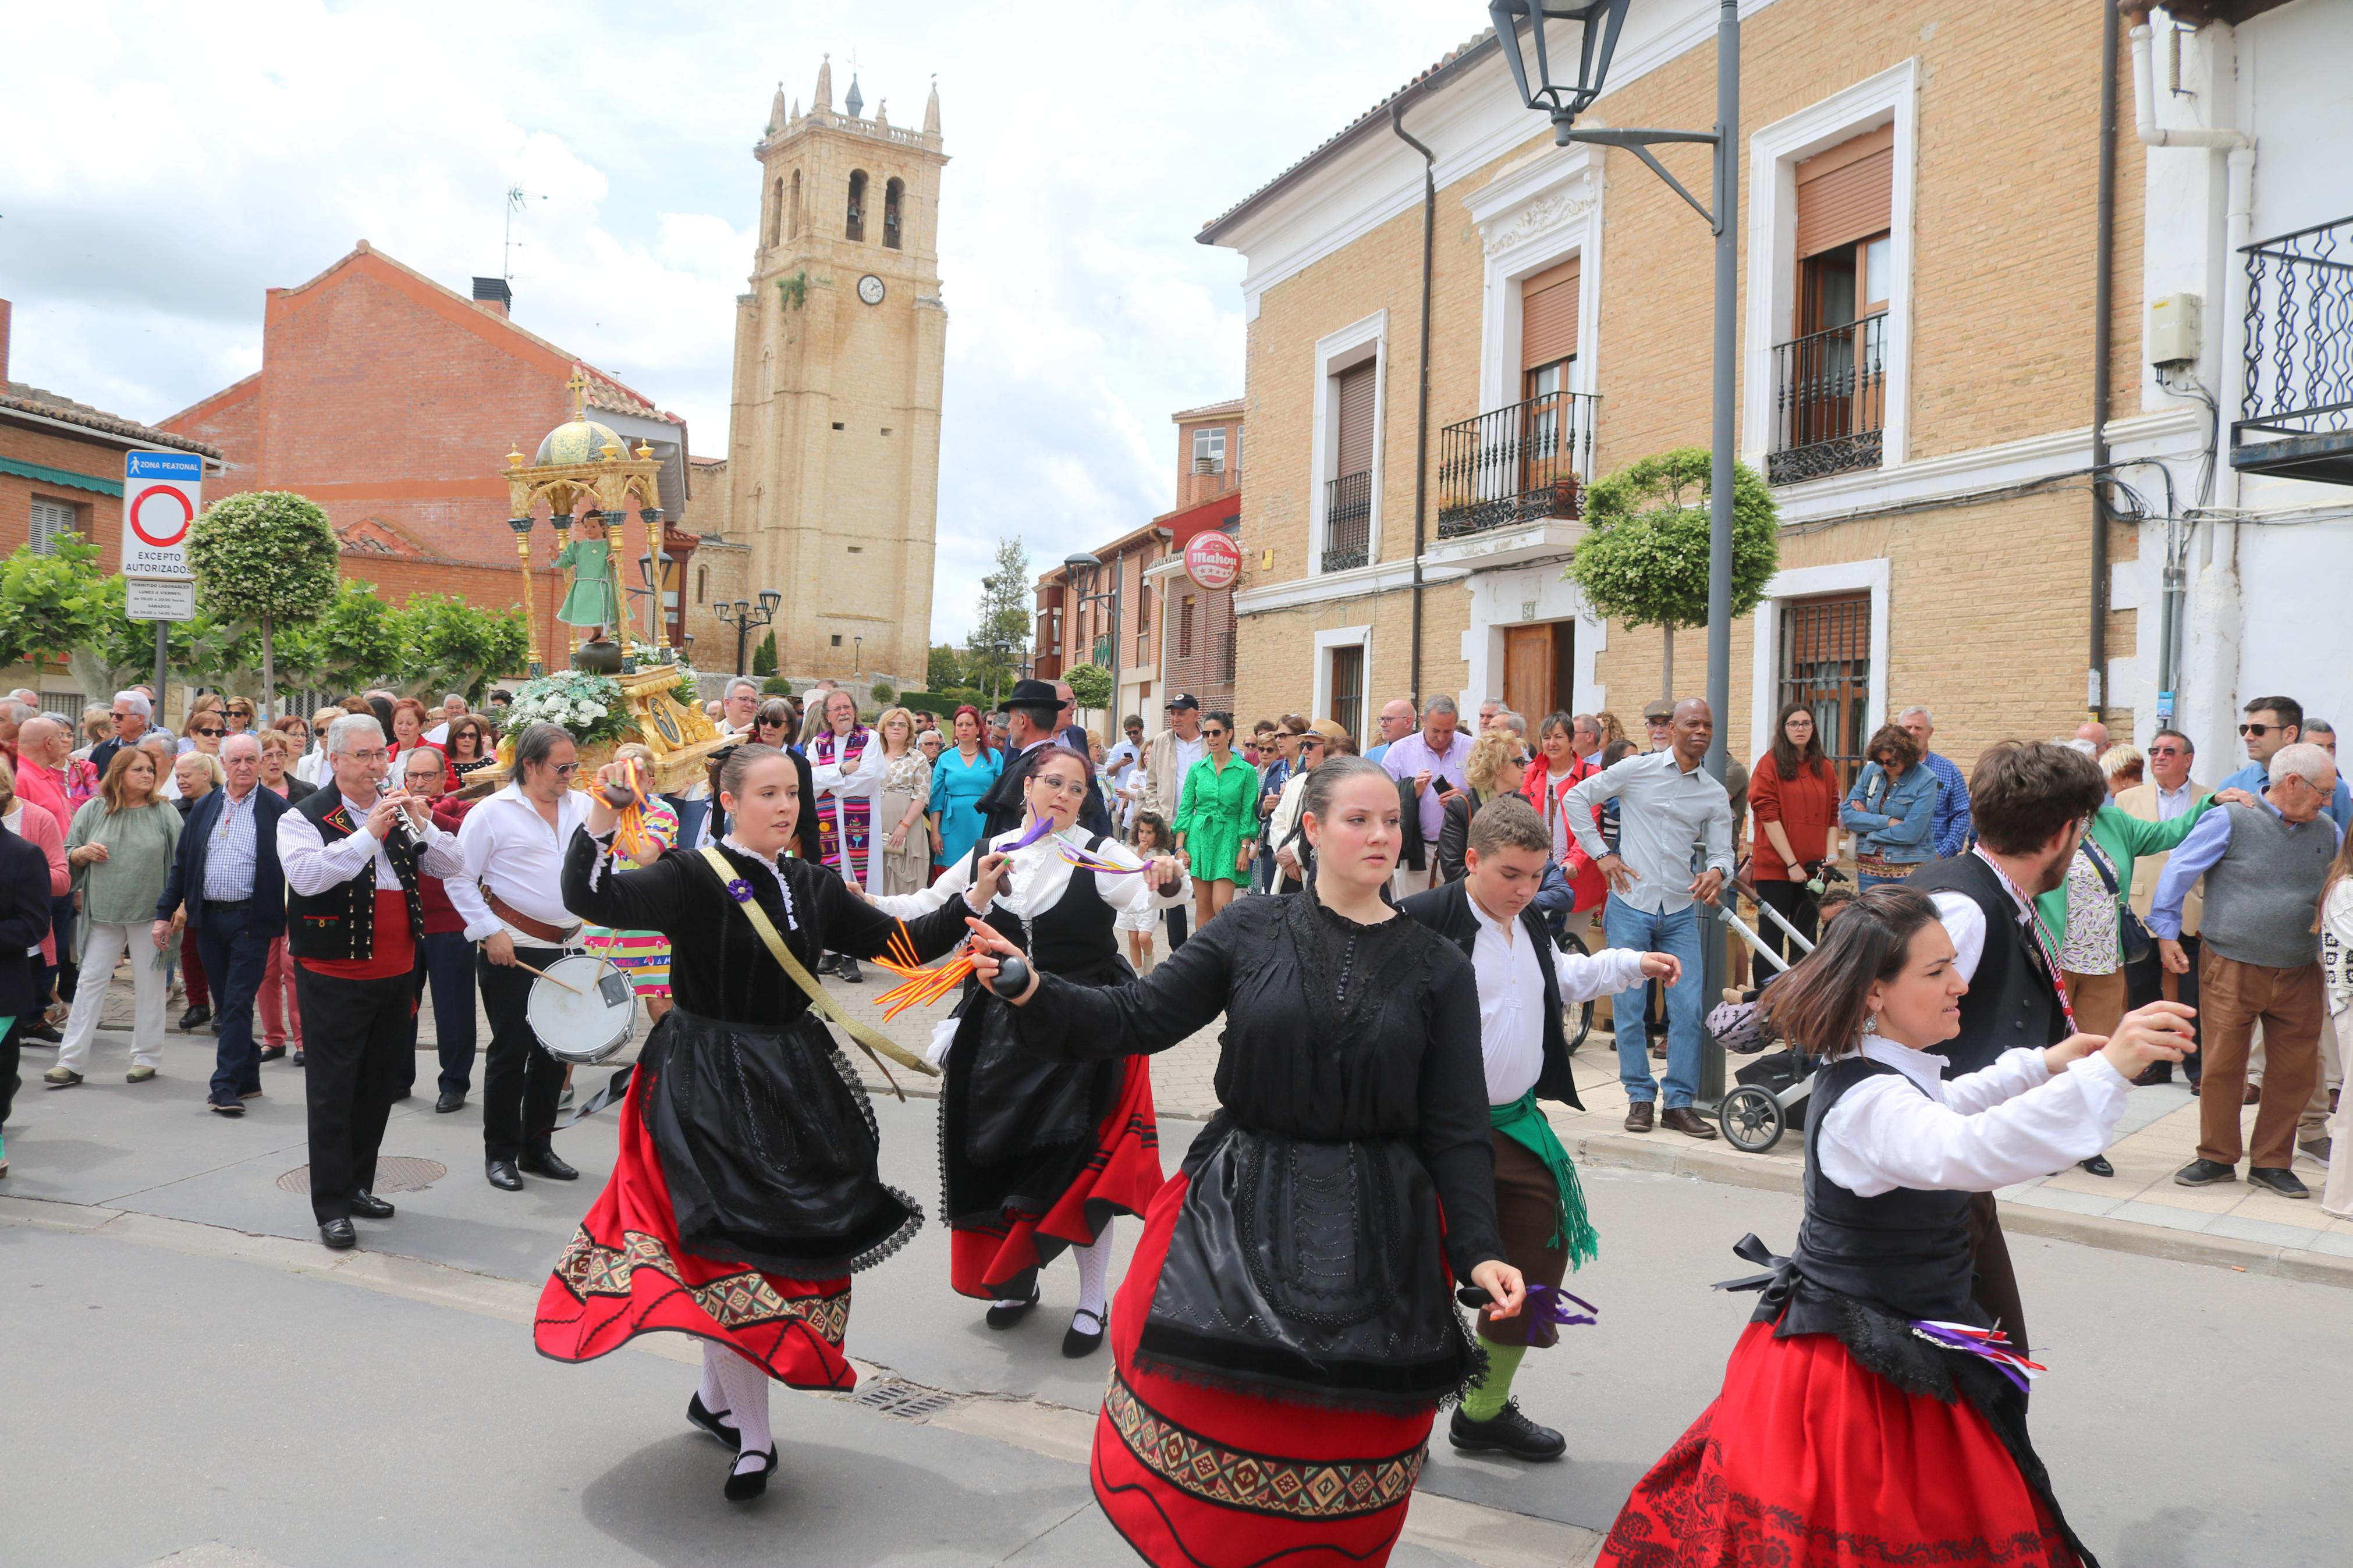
{"x": 1038, "y": 830}
{"x": 2005, "y": 1360}
{"x": 1551, "y": 1304}
{"x": 740, "y": 891}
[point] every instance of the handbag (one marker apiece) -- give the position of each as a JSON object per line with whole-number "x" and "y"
{"x": 2134, "y": 937}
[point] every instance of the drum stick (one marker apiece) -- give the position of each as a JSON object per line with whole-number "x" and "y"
{"x": 551, "y": 979}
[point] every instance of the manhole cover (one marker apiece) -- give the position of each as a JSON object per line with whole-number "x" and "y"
{"x": 394, "y": 1173}
{"x": 907, "y": 1401}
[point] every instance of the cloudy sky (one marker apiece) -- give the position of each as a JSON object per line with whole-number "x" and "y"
{"x": 187, "y": 157}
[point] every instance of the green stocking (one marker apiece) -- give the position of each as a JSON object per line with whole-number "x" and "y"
{"x": 1486, "y": 1400}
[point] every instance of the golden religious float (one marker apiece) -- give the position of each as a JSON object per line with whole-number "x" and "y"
{"x": 602, "y": 688}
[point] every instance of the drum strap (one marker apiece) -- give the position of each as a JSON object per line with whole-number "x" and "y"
{"x": 872, "y": 1041}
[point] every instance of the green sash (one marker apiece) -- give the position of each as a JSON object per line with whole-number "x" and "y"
{"x": 1526, "y": 1125}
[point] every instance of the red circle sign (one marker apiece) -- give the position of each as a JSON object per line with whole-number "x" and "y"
{"x": 1213, "y": 560}
{"x": 170, "y": 530}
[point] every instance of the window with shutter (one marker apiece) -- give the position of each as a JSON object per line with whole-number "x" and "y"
{"x": 1548, "y": 318}
{"x": 1354, "y": 439}
{"x": 1844, "y": 195}
{"x": 51, "y": 519}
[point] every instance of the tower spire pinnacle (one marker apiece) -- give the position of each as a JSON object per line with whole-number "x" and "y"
{"x": 932, "y": 111}
{"x": 856, "y": 102}
{"x": 776, "y": 111}
{"x": 824, "y": 98}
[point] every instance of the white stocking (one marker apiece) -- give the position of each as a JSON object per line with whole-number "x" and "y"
{"x": 713, "y": 1390}
{"x": 1094, "y": 1264}
{"x": 746, "y": 1387}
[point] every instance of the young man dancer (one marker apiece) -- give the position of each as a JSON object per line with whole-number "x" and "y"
{"x": 1539, "y": 1205}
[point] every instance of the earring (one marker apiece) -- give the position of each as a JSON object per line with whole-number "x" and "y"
{"x": 1870, "y": 1023}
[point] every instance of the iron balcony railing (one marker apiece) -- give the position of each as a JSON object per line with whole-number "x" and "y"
{"x": 2299, "y": 398}
{"x": 1522, "y": 463}
{"x": 1347, "y": 521}
{"x": 1829, "y": 402}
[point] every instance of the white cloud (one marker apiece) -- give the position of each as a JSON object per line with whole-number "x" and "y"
{"x": 194, "y": 156}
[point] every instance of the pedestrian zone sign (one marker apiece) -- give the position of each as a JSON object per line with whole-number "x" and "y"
{"x": 162, "y": 493}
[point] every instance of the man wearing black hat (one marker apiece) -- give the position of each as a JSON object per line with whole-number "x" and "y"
{"x": 1031, "y": 712}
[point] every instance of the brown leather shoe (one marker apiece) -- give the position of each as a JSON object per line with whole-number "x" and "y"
{"x": 1683, "y": 1119}
{"x": 1638, "y": 1116}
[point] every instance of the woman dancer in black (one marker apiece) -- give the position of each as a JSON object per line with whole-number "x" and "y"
{"x": 745, "y": 1192}
{"x": 1287, "y": 1330}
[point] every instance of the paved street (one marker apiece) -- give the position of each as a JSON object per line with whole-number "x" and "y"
{"x": 266, "y": 1402}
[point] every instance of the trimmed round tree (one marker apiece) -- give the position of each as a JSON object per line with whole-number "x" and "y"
{"x": 1644, "y": 560}
{"x": 1090, "y": 685}
{"x": 265, "y": 558}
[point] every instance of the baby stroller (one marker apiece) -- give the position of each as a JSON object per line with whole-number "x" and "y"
{"x": 1771, "y": 1092}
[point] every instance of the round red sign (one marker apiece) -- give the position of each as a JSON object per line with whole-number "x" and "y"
{"x": 161, "y": 515}
{"x": 1213, "y": 560}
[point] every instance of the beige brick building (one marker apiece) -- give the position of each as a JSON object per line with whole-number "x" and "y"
{"x": 1917, "y": 229}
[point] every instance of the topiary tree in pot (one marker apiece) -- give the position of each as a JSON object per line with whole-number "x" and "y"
{"x": 264, "y": 558}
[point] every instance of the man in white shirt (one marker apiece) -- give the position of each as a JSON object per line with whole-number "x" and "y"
{"x": 741, "y": 704}
{"x": 1539, "y": 1204}
{"x": 453, "y": 708}
{"x": 355, "y": 920}
{"x": 510, "y": 894}
{"x": 1670, "y": 813}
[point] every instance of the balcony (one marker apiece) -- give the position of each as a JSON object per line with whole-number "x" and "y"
{"x": 1829, "y": 402}
{"x": 1348, "y": 521}
{"x": 1521, "y": 464}
{"x": 2296, "y": 415}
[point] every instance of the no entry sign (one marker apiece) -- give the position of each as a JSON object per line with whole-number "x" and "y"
{"x": 1213, "y": 560}
{"x": 162, "y": 493}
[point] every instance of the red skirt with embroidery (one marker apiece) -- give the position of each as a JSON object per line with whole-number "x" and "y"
{"x": 1204, "y": 1477}
{"x": 1119, "y": 1176}
{"x": 625, "y": 1274}
{"x": 1807, "y": 1459}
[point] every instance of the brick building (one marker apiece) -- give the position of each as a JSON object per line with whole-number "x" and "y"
{"x": 61, "y": 472}
{"x": 1173, "y": 635}
{"x": 1919, "y": 227}
{"x": 393, "y": 402}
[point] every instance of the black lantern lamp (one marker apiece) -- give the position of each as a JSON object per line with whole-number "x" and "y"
{"x": 1598, "y": 21}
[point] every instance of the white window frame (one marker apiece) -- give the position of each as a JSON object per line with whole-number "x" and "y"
{"x": 1774, "y": 153}
{"x": 1349, "y": 347}
{"x": 44, "y": 541}
{"x": 1210, "y": 441}
{"x": 1342, "y": 636}
{"x": 1532, "y": 219}
{"x": 1807, "y": 583}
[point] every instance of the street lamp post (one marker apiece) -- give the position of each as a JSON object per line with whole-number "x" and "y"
{"x": 1597, "y": 22}
{"x": 743, "y": 614}
{"x": 1085, "y": 570}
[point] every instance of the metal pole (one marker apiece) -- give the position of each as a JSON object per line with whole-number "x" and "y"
{"x": 163, "y": 635}
{"x": 2103, "y": 246}
{"x": 1118, "y": 581}
{"x": 1719, "y": 510}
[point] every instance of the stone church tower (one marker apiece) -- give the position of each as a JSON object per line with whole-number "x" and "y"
{"x": 835, "y": 445}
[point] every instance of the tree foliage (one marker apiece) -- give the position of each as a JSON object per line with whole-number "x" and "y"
{"x": 50, "y": 604}
{"x": 1090, "y": 685}
{"x": 356, "y": 643}
{"x": 1002, "y": 632}
{"x": 263, "y": 556}
{"x": 1644, "y": 561}
{"x": 763, "y": 656}
{"x": 447, "y": 645}
{"x": 945, "y": 667}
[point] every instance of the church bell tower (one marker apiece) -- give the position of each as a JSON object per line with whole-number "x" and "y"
{"x": 834, "y": 443}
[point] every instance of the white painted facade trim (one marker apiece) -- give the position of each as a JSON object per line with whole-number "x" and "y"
{"x": 1529, "y": 595}
{"x": 1533, "y": 217}
{"x": 1803, "y": 583}
{"x": 1337, "y": 352}
{"x": 1342, "y": 636}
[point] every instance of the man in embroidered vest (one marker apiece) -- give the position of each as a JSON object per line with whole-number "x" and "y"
{"x": 355, "y": 923}
{"x": 1539, "y": 1205}
{"x": 512, "y": 902}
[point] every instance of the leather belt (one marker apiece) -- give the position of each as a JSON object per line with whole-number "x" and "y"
{"x": 524, "y": 923}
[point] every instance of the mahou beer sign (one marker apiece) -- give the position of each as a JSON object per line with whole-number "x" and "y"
{"x": 1212, "y": 559}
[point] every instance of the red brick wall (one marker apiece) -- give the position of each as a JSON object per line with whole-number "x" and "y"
{"x": 231, "y": 420}
{"x": 99, "y": 516}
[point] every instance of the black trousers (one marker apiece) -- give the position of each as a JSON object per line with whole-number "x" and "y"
{"x": 355, "y": 1035}
{"x": 1793, "y": 903}
{"x": 448, "y": 969}
{"x": 235, "y": 955}
{"x": 520, "y": 1082}
{"x": 2144, "y": 983}
{"x": 1180, "y": 920}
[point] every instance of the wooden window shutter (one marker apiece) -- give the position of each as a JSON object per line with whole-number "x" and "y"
{"x": 1548, "y": 316}
{"x": 1845, "y": 194}
{"x": 1356, "y": 409}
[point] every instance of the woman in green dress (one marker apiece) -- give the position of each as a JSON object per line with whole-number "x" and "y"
{"x": 1215, "y": 819}
{"x": 591, "y": 602}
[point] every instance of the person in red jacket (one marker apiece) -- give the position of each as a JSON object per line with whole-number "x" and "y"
{"x": 1565, "y": 749}
{"x": 1794, "y": 792}
{"x": 445, "y": 962}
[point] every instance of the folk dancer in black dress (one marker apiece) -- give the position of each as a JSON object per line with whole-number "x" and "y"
{"x": 1872, "y": 1411}
{"x": 745, "y": 1191}
{"x": 1035, "y": 1155}
{"x": 1287, "y": 1330}
{"x": 1489, "y": 914}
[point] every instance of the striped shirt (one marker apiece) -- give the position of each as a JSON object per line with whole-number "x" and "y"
{"x": 230, "y": 852}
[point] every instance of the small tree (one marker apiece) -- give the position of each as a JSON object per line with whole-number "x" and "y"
{"x": 1090, "y": 685}
{"x": 447, "y": 645}
{"x": 53, "y": 604}
{"x": 265, "y": 558}
{"x": 763, "y": 656}
{"x": 1002, "y": 630}
{"x": 357, "y": 639}
{"x": 946, "y": 669}
{"x": 1644, "y": 561}
{"x": 883, "y": 693}
{"x": 776, "y": 685}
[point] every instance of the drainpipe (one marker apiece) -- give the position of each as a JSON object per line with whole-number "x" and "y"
{"x": 1421, "y": 397}
{"x": 2103, "y": 333}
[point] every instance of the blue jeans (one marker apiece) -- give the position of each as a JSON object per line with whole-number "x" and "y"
{"x": 447, "y": 965}
{"x": 1623, "y": 925}
{"x": 234, "y": 955}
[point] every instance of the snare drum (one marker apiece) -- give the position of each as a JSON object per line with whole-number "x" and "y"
{"x": 583, "y": 1009}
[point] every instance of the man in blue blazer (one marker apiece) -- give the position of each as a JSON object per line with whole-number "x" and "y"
{"x": 226, "y": 879}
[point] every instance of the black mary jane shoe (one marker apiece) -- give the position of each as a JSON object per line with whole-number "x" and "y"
{"x": 2097, "y": 1165}
{"x": 742, "y": 1486}
{"x": 714, "y": 1422}
{"x": 1001, "y": 1316}
{"x": 367, "y": 1206}
{"x": 1077, "y": 1343}
{"x": 1508, "y": 1432}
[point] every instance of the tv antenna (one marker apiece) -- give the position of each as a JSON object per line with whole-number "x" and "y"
{"x": 516, "y": 198}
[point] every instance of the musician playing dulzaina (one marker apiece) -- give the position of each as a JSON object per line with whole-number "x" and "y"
{"x": 1286, "y": 1331}
{"x": 1038, "y": 1155}
{"x": 744, "y": 1189}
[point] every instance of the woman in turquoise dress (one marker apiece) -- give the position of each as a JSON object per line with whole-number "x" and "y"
{"x": 961, "y": 776}
{"x": 1216, "y": 821}
{"x": 591, "y": 602}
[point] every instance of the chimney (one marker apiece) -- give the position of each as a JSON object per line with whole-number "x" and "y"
{"x": 492, "y": 294}
{"x": 3, "y": 342}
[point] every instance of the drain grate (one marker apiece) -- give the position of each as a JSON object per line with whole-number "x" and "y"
{"x": 907, "y": 1401}
{"x": 394, "y": 1173}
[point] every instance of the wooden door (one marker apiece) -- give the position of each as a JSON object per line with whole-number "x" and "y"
{"x": 1528, "y": 669}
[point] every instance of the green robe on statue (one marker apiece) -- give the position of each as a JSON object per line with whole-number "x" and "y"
{"x": 590, "y": 602}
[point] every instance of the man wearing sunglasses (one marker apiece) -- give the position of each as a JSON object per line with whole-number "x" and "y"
{"x": 2273, "y": 723}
